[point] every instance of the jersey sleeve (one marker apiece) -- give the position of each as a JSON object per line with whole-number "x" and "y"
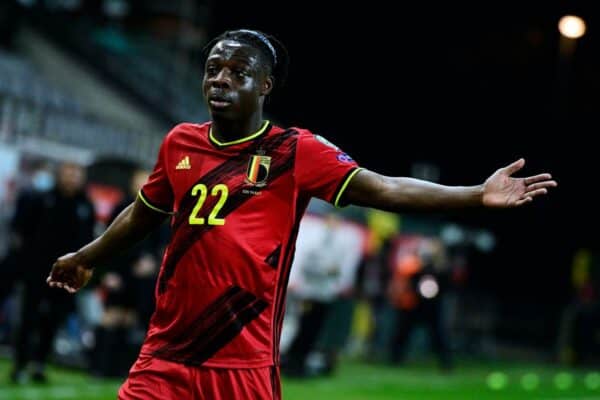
{"x": 157, "y": 192}
{"x": 322, "y": 169}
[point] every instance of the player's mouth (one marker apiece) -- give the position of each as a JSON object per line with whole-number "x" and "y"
{"x": 219, "y": 102}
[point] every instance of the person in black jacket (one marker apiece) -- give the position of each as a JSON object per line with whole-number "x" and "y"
{"x": 45, "y": 225}
{"x": 128, "y": 285}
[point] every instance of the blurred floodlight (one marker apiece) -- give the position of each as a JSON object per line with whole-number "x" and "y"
{"x": 571, "y": 26}
{"x": 592, "y": 381}
{"x": 452, "y": 234}
{"x": 428, "y": 287}
{"x": 484, "y": 241}
{"x": 563, "y": 380}
{"x": 497, "y": 380}
{"x": 530, "y": 381}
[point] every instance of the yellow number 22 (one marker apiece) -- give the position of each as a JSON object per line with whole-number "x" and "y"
{"x": 201, "y": 191}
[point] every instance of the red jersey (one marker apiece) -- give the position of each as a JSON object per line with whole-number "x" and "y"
{"x": 236, "y": 210}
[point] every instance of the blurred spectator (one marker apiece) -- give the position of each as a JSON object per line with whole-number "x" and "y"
{"x": 579, "y": 335}
{"x": 128, "y": 293}
{"x": 46, "y": 225}
{"x": 416, "y": 290}
{"x": 374, "y": 277}
{"x": 39, "y": 179}
{"x": 328, "y": 254}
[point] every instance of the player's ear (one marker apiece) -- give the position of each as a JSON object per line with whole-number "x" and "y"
{"x": 267, "y": 86}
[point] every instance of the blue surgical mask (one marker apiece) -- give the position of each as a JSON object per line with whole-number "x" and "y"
{"x": 42, "y": 181}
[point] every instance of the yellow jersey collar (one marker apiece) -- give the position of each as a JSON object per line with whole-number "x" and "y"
{"x": 252, "y": 136}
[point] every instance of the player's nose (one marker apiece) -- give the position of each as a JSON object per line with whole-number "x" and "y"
{"x": 221, "y": 80}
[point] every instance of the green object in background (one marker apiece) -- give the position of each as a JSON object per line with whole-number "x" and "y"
{"x": 563, "y": 380}
{"x": 530, "y": 381}
{"x": 592, "y": 380}
{"x": 497, "y": 380}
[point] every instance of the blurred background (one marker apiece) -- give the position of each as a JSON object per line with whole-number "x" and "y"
{"x": 470, "y": 304}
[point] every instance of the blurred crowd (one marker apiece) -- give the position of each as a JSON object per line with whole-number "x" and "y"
{"x": 364, "y": 284}
{"x": 54, "y": 211}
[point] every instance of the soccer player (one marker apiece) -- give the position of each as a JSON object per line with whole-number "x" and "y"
{"x": 235, "y": 189}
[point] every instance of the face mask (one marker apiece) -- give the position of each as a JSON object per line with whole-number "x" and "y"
{"x": 42, "y": 181}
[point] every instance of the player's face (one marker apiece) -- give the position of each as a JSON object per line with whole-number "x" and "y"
{"x": 234, "y": 81}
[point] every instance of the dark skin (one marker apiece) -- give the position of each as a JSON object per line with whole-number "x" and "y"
{"x": 236, "y": 82}
{"x": 238, "y": 76}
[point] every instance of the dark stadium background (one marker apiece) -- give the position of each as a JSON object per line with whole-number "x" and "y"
{"x": 468, "y": 86}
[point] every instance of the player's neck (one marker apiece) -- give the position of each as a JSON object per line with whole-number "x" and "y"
{"x": 228, "y": 130}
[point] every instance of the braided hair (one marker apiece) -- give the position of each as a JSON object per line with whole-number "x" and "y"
{"x": 273, "y": 51}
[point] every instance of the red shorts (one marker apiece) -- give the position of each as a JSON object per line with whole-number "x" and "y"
{"x": 151, "y": 378}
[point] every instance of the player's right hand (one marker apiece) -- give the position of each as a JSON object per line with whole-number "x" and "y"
{"x": 69, "y": 273}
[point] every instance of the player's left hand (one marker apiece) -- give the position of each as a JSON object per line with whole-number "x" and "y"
{"x": 502, "y": 190}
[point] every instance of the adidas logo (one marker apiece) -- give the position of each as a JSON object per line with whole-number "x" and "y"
{"x": 184, "y": 163}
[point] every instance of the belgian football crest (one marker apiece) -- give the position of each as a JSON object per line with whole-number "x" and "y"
{"x": 258, "y": 170}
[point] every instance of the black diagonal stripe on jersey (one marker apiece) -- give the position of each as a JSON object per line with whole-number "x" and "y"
{"x": 227, "y": 333}
{"x": 214, "y": 319}
{"x": 186, "y": 235}
{"x": 284, "y": 276}
{"x": 233, "y": 167}
{"x": 181, "y": 340}
{"x": 273, "y": 258}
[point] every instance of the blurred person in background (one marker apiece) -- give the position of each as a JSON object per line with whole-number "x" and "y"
{"x": 46, "y": 224}
{"x": 373, "y": 278}
{"x": 416, "y": 290}
{"x": 36, "y": 178}
{"x": 328, "y": 254}
{"x": 236, "y": 188}
{"x": 579, "y": 332}
{"x": 128, "y": 288}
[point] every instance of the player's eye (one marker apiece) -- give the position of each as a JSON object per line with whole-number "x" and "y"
{"x": 211, "y": 70}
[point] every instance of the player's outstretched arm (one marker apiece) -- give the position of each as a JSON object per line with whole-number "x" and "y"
{"x": 72, "y": 271}
{"x": 500, "y": 190}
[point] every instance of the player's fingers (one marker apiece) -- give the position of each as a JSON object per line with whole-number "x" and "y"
{"x": 520, "y": 202}
{"x": 537, "y": 178}
{"x": 514, "y": 167}
{"x": 536, "y": 192}
{"x": 541, "y": 185}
